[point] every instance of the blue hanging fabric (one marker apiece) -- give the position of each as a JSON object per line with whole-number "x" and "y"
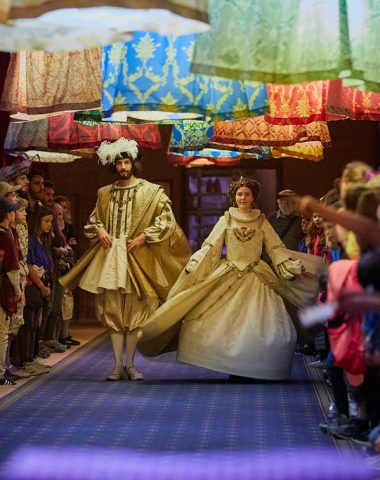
{"x": 152, "y": 72}
{"x": 190, "y": 135}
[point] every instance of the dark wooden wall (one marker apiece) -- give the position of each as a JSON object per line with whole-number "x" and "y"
{"x": 351, "y": 141}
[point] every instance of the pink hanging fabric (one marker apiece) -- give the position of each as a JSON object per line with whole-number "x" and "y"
{"x": 320, "y": 101}
{"x": 63, "y": 132}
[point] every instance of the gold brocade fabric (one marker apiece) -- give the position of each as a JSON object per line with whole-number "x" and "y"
{"x": 41, "y": 82}
{"x": 307, "y": 151}
{"x": 246, "y": 134}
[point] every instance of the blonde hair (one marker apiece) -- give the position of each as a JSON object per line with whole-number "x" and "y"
{"x": 22, "y": 202}
{"x": 354, "y": 173}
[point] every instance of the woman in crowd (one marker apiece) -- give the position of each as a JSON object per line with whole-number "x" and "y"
{"x": 63, "y": 259}
{"x": 39, "y": 283}
{"x": 233, "y": 317}
{"x": 66, "y": 227}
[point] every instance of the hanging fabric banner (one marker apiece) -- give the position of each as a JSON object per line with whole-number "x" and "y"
{"x": 152, "y": 72}
{"x": 344, "y": 102}
{"x": 190, "y": 135}
{"x": 306, "y": 151}
{"x": 248, "y": 134}
{"x": 320, "y": 101}
{"x": 218, "y": 158}
{"x": 39, "y": 82}
{"x": 27, "y": 135}
{"x": 292, "y": 41}
{"x": 279, "y": 41}
{"x": 195, "y": 9}
{"x": 65, "y": 133}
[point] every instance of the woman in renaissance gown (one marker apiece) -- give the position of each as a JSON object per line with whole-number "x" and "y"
{"x": 230, "y": 311}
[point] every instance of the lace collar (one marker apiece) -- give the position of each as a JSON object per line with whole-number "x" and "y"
{"x": 244, "y": 217}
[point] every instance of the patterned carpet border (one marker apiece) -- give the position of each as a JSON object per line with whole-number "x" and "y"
{"x": 34, "y": 382}
{"x": 324, "y": 399}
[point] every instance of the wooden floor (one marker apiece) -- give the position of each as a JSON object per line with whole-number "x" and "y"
{"x": 82, "y": 332}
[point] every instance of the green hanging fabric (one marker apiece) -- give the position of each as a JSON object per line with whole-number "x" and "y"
{"x": 292, "y": 41}
{"x": 364, "y": 28}
{"x": 278, "y": 41}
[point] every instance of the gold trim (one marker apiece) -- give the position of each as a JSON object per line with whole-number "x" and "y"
{"x": 244, "y": 234}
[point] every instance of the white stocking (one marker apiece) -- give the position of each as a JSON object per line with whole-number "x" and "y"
{"x": 117, "y": 339}
{"x": 131, "y": 340}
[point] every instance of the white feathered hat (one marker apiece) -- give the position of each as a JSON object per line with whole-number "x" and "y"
{"x": 109, "y": 152}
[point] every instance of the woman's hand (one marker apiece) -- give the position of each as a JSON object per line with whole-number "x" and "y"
{"x": 105, "y": 238}
{"x": 306, "y": 275}
{"x": 62, "y": 251}
{"x": 136, "y": 242}
{"x": 45, "y": 291}
{"x": 20, "y": 298}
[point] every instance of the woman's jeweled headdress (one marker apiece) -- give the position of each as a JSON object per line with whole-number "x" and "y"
{"x": 253, "y": 185}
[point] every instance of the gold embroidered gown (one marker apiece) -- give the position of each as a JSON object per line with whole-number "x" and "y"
{"x": 233, "y": 317}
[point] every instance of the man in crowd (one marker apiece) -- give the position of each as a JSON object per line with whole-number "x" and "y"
{"x": 286, "y": 221}
{"x": 36, "y": 188}
{"x": 48, "y": 194}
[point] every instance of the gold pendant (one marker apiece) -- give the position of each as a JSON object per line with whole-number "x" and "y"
{"x": 243, "y": 234}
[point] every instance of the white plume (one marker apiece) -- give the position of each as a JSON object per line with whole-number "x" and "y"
{"x": 109, "y": 152}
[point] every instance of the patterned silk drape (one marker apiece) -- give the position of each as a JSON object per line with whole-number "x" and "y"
{"x": 62, "y": 133}
{"x": 152, "y": 72}
{"x": 320, "y": 100}
{"x": 27, "y": 135}
{"x": 190, "y": 135}
{"x": 305, "y": 151}
{"x": 292, "y": 41}
{"x": 65, "y": 133}
{"x": 246, "y": 135}
{"x": 39, "y": 82}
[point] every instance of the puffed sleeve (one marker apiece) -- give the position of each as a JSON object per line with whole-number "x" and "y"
{"x": 163, "y": 226}
{"x": 285, "y": 266}
{"x": 90, "y": 230}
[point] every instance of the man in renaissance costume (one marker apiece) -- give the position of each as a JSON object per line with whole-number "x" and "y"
{"x": 136, "y": 257}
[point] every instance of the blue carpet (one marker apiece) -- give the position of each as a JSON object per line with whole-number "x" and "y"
{"x": 179, "y": 408}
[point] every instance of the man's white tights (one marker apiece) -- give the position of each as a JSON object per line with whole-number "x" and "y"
{"x": 117, "y": 339}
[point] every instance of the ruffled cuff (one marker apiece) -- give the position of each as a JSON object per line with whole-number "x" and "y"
{"x": 196, "y": 258}
{"x": 91, "y": 230}
{"x": 290, "y": 269}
